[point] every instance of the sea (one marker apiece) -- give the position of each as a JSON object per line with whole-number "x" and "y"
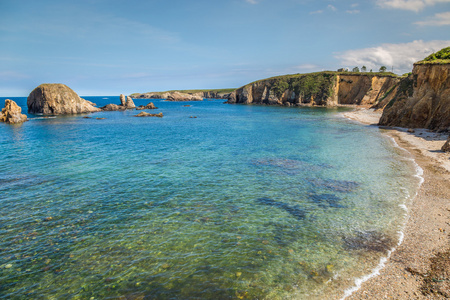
{"x": 212, "y": 201}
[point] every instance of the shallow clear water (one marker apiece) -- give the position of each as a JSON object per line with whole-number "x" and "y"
{"x": 242, "y": 202}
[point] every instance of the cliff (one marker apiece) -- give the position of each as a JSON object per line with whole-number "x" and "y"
{"x": 422, "y": 100}
{"x": 322, "y": 89}
{"x": 57, "y": 99}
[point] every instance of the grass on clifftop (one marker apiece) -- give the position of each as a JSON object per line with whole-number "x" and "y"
{"x": 286, "y": 77}
{"x": 440, "y": 57}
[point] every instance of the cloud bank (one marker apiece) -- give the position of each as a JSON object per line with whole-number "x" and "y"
{"x": 400, "y": 56}
{"x": 440, "y": 19}
{"x": 413, "y": 5}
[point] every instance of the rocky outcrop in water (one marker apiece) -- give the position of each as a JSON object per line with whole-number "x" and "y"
{"x": 446, "y": 147}
{"x": 148, "y": 106}
{"x": 422, "y": 100}
{"x": 12, "y": 113}
{"x": 125, "y": 103}
{"x": 57, "y": 99}
{"x": 316, "y": 89}
{"x": 113, "y": 107}
{"x": 146, "y": 114}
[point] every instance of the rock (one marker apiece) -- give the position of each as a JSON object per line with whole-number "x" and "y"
{"x": 148, "y": 106}
{"x": 125, "y": 103}
{"x": 410, "y": 130}
{"x": 113, "y": 107}
{"x": 446, "y": 147}
{"x": 146, "y": 114}
{"x": 122, "y": 100}
{"x": 57, "y": 99}
{"x": 12, "y": 113}
{"x": 129, "y": 104}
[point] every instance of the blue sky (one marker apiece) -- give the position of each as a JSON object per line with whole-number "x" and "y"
{"x": 108, "y": 47}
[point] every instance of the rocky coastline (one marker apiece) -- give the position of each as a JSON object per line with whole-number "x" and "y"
{"x": 184, "y": 96}
{"x": 317, "y": 89}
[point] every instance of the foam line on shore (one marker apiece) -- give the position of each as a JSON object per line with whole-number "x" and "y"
{"x": 376, "y": 271}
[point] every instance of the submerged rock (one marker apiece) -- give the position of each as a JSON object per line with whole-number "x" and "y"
{"x": 294, "y": 210}
{"x": 343, "y": 186}
{"x": 369, "y": 240}
{"x": 12, "y": 113}
{"x": 326, "y": 200}
{"x": 146, "y": 114}
{"x": 446, "y": 147}
{"x": 57, "y": 99}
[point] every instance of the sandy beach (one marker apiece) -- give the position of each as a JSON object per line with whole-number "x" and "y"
{"x": 419, "y": 268}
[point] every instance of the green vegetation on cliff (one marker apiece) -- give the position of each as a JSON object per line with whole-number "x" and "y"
{"x": 440, "y": 57}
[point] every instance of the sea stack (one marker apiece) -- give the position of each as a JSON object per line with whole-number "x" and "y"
{"x": 57, "y": 99}
{"x": 12, "y": 113}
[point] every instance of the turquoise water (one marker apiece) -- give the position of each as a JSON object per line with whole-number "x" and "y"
{"x": 242, "y": 202}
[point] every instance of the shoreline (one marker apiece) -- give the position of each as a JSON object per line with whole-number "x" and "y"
{"x": 408, "y": 271}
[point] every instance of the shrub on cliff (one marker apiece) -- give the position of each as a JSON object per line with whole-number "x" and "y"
{"x": 440, "y": 57}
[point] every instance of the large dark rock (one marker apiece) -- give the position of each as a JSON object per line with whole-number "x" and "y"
{"x": 113, "y": 107}
{"x": 12, "y": 113}
{"x": 446, "y": 147}
{"x": 57, "y": 99}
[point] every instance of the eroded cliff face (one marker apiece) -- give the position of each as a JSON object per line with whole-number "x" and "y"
{"x": 363, "y": 89}
{"x": 316, "y": 89}
{"x": 422, "y": 100}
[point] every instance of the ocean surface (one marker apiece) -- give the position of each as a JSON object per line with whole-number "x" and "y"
{"x": 212, "y": 201}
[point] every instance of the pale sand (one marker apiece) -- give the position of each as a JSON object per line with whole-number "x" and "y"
{"x": 427, "y": 230}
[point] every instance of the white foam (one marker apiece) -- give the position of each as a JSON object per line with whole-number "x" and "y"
{"x": 383, "y": 260}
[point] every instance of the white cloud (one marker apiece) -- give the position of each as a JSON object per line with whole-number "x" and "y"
{"x": 354, "y": 5}
{"x": 354, "y": 11}
{"x": 252, "y": 1}
{"x": 440, "y": 19}
{"x": 332, "y": 7}
{"x": 316, "y": 12}
{"x": 414, "y": 5}
{"x": 400, "y": 56}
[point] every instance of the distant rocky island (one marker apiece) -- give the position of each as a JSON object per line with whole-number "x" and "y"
{"x": 185, "y": 95}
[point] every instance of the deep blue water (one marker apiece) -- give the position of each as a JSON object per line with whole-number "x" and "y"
{"x": 241, "y": 202}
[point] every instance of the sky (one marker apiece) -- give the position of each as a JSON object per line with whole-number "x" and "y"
{"x": 108, "y": 47}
